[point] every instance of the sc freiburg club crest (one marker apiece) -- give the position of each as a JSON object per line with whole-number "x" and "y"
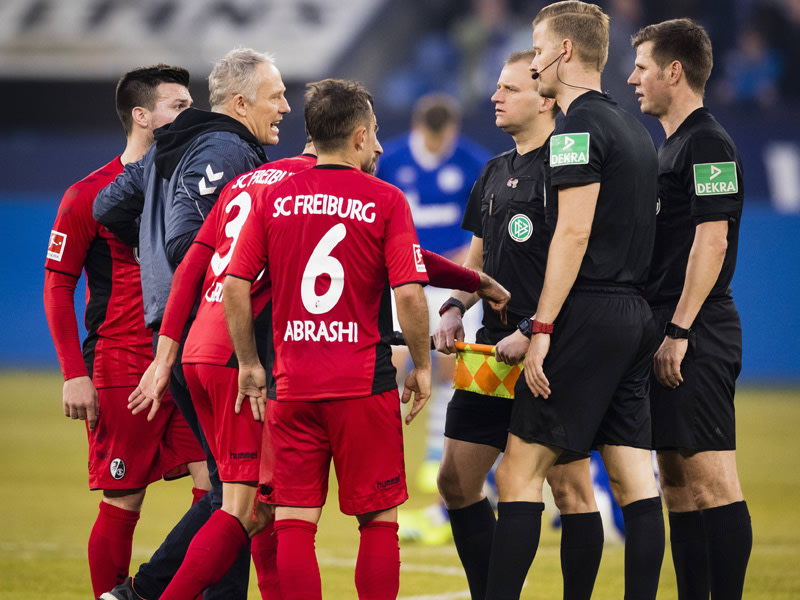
{"x": 117, "y": 468}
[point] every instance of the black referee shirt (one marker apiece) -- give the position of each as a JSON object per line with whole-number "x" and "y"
{"x": 506, "y": 209}
{"x": 597, "y": 141}
{"x": 699, "y": 180}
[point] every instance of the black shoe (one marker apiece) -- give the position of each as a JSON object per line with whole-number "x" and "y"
{"x": 124, "y": 591}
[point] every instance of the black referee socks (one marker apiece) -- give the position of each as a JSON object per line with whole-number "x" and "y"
{"x": 644, "y": 548}
{"x": 729, "y": 534}
{"x": 516, "y": 539}
{"x": 473, "y": 530}
{"x": 687, "y": 538}
{"x": 581, "y": 550}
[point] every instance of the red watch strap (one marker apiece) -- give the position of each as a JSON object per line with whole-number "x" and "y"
{"x": 539, "y": 327}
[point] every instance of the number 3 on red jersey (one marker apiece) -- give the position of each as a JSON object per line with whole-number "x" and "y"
{"x": 232, "y": 231}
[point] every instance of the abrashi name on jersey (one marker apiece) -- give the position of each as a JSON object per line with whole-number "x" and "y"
{"x": 311, "y": 331}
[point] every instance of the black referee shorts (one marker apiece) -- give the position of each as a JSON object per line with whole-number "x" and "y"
{"x": 699, "y": 413}
{"x": 478, "y": 419}
{"x": 598, "y": 367}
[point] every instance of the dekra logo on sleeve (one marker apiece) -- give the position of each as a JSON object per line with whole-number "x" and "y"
{"x": 569, "y": 149}
{"x": 715, "y": 178}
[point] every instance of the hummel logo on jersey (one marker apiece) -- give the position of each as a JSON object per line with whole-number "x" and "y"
{"x": 715, "y": 178}
{"x": 117, "y": 468}
{"x": 569, "y": 149}
{"x": 55, "y": 249}
{"x": 206, "y": 189}
{"x": 419, "y": 262}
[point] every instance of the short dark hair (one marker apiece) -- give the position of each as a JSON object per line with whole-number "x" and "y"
{"x": 138, "y": 88}
{"x": 682, "y": 40}
{"x": 436, "y": 111}
{"x": 585, "y": 24}
{"x": 527, "y": 56}
{"x": 334, "y": 108}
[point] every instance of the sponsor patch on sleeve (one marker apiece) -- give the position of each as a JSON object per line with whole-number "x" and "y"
{"x": 55, "y": 249}
{"x": 569, "y": 149}
{"x": 419, "y": 262}
{"x": 711, "y": 179}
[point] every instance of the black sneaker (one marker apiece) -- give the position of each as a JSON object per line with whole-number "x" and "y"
{"x": 124, "y": 591}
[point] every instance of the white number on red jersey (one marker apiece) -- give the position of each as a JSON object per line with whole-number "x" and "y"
{"x": 232, "y": 229}
{"x": 322, "y": 263}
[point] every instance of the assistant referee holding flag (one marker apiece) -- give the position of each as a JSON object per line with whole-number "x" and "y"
{"x": 697, "y": 232}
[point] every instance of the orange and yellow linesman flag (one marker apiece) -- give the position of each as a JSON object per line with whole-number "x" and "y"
{"x": 478, "y": 371}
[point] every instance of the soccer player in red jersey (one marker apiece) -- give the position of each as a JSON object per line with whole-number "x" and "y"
{"x": 210, "y": 366}
{"x": 211, "y": 372}
{"x": 336, "y": 238}
{"x": 126, "y": 453}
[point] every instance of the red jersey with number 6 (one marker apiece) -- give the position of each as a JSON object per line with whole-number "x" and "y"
{"x": 208, "y": 341}
{"x": 334, "y": 239}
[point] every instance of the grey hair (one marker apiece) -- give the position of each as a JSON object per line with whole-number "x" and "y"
{"x": 235, "y": 73}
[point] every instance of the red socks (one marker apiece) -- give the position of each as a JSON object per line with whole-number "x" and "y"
{"x": 110, "y": 547}
{"x": 378, "y": 565}
{"x": 197, "y": 495}
{"x": 377, "y": 568}
{"x": 297, "y": 561}
{"x": 264, "y": 550}
{"x": 211, "y": 553}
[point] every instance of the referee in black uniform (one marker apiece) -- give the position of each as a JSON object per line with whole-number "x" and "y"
{"x": 695, "y": 369}
{"x": 506, "y": 214}
{"x": 587, "y": 362}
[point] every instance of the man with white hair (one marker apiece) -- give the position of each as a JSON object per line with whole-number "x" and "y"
{"x": 160, "y": 203}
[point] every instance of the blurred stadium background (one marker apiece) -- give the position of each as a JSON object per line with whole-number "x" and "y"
{"x": 60, "y": 59}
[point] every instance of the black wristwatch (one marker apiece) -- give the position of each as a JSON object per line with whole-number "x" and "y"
{"x": 452, "y": 302}
{"x": 676, "y": 333}
{"x": 524, "y": 327}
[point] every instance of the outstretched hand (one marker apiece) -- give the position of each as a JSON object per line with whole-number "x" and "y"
{"x": 667, "y": 362}
{"x": 512, "y": 348}
{"x": 253, "y": 386}
{"x": 495, "y": 294}
{"x": 451, "y": 328}
{"x": 534, "y": 365}
{"x": 418, "y": 383}
{"x": 79, "y": 400}
{"x": 150, "y": 391}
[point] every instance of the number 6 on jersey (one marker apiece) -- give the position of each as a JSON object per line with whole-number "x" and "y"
{"x": 322, "y": 263}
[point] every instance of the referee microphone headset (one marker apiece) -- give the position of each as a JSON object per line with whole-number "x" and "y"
{"x": 559, "y": 57}
{"x": 554, "y": 61}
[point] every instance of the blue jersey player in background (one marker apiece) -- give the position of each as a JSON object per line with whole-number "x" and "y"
{"x": 436, "y": 167}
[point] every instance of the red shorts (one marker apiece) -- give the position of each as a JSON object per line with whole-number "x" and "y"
{"x": 235, "y": 440}
{"x": 126, "y": 452}
{"x": 364, "y": 436}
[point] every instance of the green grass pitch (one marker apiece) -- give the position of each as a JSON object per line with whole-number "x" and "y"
{"x": 46, "y": 511}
